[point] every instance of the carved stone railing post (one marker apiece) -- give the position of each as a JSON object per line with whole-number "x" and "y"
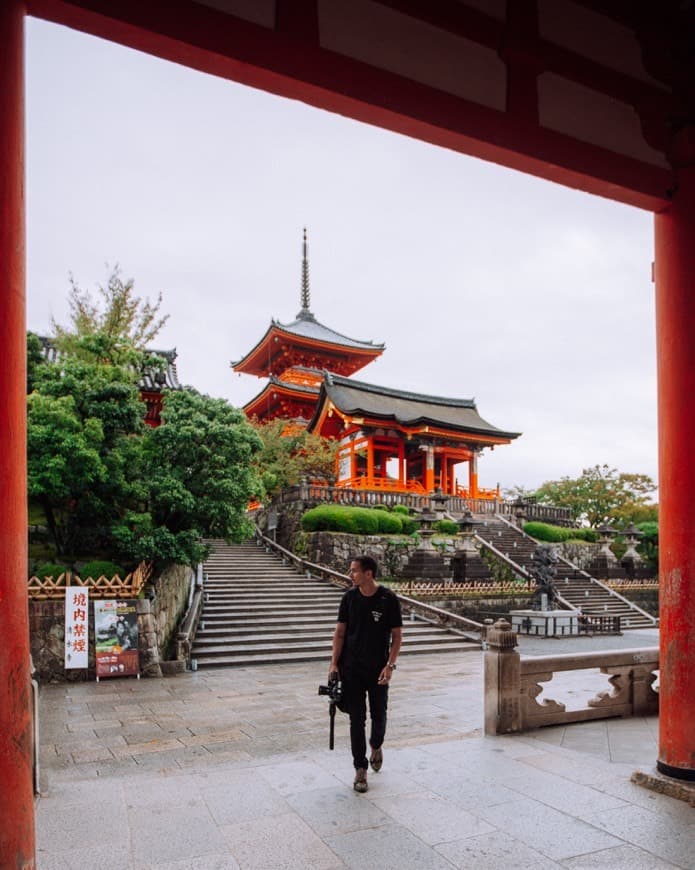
{"x": 502, "y": 680}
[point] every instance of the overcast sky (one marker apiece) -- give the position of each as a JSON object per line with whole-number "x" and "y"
{"x": 483, "y": 283}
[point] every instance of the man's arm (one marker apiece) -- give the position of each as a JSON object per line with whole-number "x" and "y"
{"x": 338, "y": 641}
{"x": 396, "y": 640}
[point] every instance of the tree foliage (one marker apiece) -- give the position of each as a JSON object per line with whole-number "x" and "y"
{"x": 289, "y": 453}
{"x": 124, "y": 322}
{"x": 107, "y": 484}
{"x": 602, "y": 494}
{"x": 83, "y": 420}
{"x": 198, "y": 468}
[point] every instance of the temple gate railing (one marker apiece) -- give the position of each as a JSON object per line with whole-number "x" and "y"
{"x": 322, "y": 493}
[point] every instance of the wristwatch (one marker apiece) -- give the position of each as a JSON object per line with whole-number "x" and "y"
{"x": 391, "y": 665}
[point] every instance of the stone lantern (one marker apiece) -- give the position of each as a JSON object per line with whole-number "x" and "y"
{"x": 606, "y": 534}
{"x": 632, "y": 559}
{"x": 425, "y": 563}
{"x": 439, "y": 503}
{"x": 426, "y": 532}
{"x": 520, "y": 515}
{"x": 466, "y": 564}
{"x": 467, "y": 525}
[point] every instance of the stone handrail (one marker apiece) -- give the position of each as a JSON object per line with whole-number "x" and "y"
{"x": 189, "y": 624}
{"x": 610, "y": 590}
{"x": 568, "y": 564}
{"x": 513, "y": 684}
{"x": 426, "y": 611}
{"x": 519, "y": 569}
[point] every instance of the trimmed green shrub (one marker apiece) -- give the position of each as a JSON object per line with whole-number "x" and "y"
{"x": 389, "y": 524}
{"x": 338, "y": 518}
{"x": 96, "y": 569}
{"x": 50, "y": 569}
{"x": 557, "y": 534}
{"x": 445, "y": 527}
{"x": 381, "y": 507}
{"x": 400, "y": 509}
{"x": 409, "y": 524}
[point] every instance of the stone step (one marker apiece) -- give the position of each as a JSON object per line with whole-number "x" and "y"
{"x": 261, "y": 643}
{"x": 246, "y": 659}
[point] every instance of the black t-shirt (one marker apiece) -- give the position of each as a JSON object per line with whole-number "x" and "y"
{"x": 368, "y": 620}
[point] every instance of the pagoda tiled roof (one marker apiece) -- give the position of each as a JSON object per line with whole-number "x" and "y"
{"x": 356, "y": 398}
{"x": 307, "y": 326}
{"x": 306, "y": 329}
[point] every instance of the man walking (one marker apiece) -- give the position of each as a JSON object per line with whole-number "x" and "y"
{"x": 366, "y": 644}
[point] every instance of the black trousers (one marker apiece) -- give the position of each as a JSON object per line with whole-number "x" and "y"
{"x": 357, "y": 687}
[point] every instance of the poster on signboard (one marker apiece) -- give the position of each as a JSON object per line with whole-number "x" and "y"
{"x": 76, "y": 626}
{"x": 116, "y": 639}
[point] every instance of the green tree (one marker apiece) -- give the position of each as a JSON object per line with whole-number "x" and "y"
{"x": 600, "y": 494}
{"x": 35, "y": 359}
{"x": 82, "y": 449}
{"x": 289, "y": 453}
{"x": 124, "y": 322}
{"x": 200, "y": 478}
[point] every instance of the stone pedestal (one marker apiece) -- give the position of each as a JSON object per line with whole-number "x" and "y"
{"x": 468, "y": 567}
{"x": 545, "y": 623}
{"x": 502, "y": 673}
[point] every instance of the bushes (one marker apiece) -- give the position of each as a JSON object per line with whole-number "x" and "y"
{"x": 50, "y": 569}
{"x": 96, "y": 569}
{"x": 558, "y": 534}
{"x": 358, "y": 520}
{"x": 400, "y": 509}
{"x": 445, "y": 527}
{"x": 389, "y": 524}
{"x": 409, "y": 524}
{"x": 335, "y": 518}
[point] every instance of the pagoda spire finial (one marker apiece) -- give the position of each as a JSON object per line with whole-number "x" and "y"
{"x": 305, "y": 294}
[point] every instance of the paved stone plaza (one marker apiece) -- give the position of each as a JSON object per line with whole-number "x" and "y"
{"x": 231, "y": 768}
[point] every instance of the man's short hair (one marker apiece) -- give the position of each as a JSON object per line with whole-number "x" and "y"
{"x": 367, "y": 563}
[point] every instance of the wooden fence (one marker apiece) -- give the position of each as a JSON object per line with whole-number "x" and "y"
{"x": 130, "y": 586}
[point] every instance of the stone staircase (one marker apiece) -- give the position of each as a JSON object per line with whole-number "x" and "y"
{"x": 576, "y": 587}
{"x": 258, "y": 610}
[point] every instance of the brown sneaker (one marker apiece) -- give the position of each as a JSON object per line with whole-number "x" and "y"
{"x": 360, "y": 783}
{"x": 376, "y": 759}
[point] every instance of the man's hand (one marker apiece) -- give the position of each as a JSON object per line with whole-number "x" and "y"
{"x": 385, "y": 676}
{"x": 333, "y": 670}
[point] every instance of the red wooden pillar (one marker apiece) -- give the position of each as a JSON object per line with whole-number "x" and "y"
{"x": 473, "y": 475}
{"x": 675, "y": 324}
{"x": 16, "y": 776}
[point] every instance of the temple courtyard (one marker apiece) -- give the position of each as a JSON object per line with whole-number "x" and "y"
{"x": 230, "y": 768}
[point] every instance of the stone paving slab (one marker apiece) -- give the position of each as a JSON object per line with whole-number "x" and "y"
{"x": 229, "y": 769}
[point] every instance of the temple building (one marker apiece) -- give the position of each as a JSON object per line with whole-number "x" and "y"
{"x": 293, "y": 356}
{"x": 389, "y": 439}
{"x": 152, "y": 381}
{"x": 403, "y": 441}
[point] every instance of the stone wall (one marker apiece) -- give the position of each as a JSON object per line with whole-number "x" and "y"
{"x": 158, "y": 619}
{"x": 336, "y": 549}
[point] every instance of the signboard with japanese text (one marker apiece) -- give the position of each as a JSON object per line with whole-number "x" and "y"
{"x": 76, "y": 626}
{"x": 116, "y": 639}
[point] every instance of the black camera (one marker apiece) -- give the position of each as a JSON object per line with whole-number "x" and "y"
{"x": 334, "y": 693}
{"x": 334, "y": 689}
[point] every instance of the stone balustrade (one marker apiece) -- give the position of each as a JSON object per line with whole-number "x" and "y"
{"x": 514, "y": 682}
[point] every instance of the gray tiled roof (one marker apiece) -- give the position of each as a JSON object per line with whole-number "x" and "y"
{"x": 403, "y": 407}
{"x": 151, "y": 379}
{"x": 308, "y": 326}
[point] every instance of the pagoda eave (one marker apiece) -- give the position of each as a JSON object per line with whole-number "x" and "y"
{"x": 279, "y": 350}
